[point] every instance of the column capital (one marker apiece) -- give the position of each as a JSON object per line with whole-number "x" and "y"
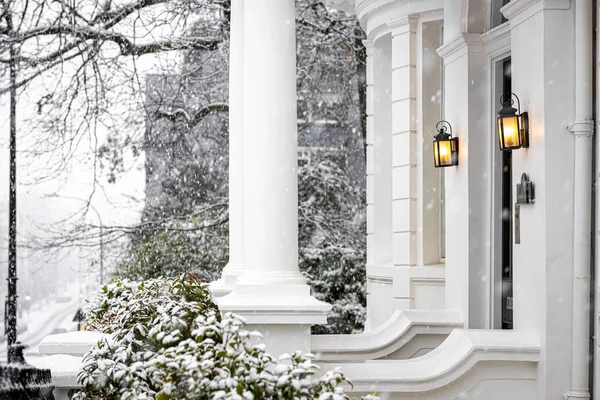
{"x": 368, "y": 46}
{"x": 343, "y": 5}
{"x": 461, "y": 45}
{"x": 399, "y": 26}
{"x": 518, "y": 11}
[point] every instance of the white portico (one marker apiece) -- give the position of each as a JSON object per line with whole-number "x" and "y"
{"x": 469, "y": 295}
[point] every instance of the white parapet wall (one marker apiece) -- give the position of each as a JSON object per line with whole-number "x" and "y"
{"x": 407, "y": 334}
{"x": 62, "y": 354}
{"x": 470, "y": 364}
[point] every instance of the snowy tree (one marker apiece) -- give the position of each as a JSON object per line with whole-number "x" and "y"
{"x": 84, "y": 59}
{"x": 330, "y": 82}
{"x": 331, "y": 223}
{"x": 196, "y": 243}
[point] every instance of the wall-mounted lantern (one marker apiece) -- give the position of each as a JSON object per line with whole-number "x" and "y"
{"x": 445, "y": 147}
{"x": 513, "y": 126}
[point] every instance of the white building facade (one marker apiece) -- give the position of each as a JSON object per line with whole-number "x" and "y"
{"x": 470, "y": 295}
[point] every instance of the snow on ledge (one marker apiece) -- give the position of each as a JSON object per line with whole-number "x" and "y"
{"x": 70, "y": 343}
{"x": 388, "y": 338}
{"x": 64, "y": 369}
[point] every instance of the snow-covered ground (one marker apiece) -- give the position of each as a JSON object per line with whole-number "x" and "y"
{"x": 50, "y": 317}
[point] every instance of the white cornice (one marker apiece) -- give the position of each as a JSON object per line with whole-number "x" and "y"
{"x": 375, "y": 15}
{"x": 463, "y": 44}
{"x": 342, "y": 5}
{"x": 497, "y": 40}
{"x": 402, "y": 25}
{"x": 518, "y": 11}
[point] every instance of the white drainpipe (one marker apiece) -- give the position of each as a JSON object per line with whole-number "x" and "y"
{"x": 595, "y": 353}
{"x": 582, "y": 129}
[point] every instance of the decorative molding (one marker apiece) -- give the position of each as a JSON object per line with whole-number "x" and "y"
{"x": 380, "y": 274}
{"x": 374, "y": 15}
{"x": 515, "y": 354}
{"x": 368, "y": 47}
{"x": 463, "y": 44}
{"x": 518, "y": 11}
{"x": 583, "y": 128}
{"x": 497, "y": 40}
{"x": 388, "y": 338}
{"x": 275, "y": 304}
{"x": 365, "y": 6}
{"x": 399, "y": 26}
{"x": 343, "y": 5}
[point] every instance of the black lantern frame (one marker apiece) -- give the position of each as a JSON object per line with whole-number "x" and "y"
{"x": 445, "y": 147}
{"x": 510, "y": 118}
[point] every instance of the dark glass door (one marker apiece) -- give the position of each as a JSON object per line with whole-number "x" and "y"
{"x": 507, "y": 211}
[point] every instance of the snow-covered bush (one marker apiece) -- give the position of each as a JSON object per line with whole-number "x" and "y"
{"x": 169, "y": 342}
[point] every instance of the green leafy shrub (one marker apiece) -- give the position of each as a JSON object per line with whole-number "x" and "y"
{"x": 197, "y": 243}
{"x": 167, "y": 341}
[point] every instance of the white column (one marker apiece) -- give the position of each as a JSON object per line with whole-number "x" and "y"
{"x": 416, "y": 72}
{"x": 271, "y": 293}
{"x": 429, "y": 75}
{"x": 230, "y": 273}
{"x": 370, "y": 168}
{"x": 466, "y": 185}
{"x": 404, "y": 148}
{"x": 380, "y": 305}
{"x": 404, "y": 157}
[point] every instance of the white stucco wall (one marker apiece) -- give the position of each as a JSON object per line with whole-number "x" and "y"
{"x": 542, "y": 40}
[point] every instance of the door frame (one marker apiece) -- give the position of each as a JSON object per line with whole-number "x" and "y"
{"x": 497, "y": 43}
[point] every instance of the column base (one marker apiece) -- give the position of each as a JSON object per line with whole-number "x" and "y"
{"x": 226, "y": 283}
{"x": 282, "y": 313}
{"x": 578, "y": 395}
{"x": 273, "y": 304}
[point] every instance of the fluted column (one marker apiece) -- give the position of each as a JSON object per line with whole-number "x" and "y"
{"x": 271, "y": 293}
{"x": 230, "y": 273}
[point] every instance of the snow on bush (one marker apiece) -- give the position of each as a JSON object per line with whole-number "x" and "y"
{"x": 168, "y": 341}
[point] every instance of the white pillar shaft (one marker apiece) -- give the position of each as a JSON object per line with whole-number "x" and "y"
{"x": 270, "y": 144}
{"x": 271, "y": 293}
{"x": 428, "y": 114}
{"x": 236, "y": 136}
{"x": 379, "y": 103}
{"x": 404, "y": 132}
{"x": 370, "y": 170}
{"x": 582, "y": 129}
{"x": 230, "y": 273}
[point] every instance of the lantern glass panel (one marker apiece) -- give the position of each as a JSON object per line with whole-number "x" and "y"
{"x": 508, "y": 131}
{"x": 442, "y": 152}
